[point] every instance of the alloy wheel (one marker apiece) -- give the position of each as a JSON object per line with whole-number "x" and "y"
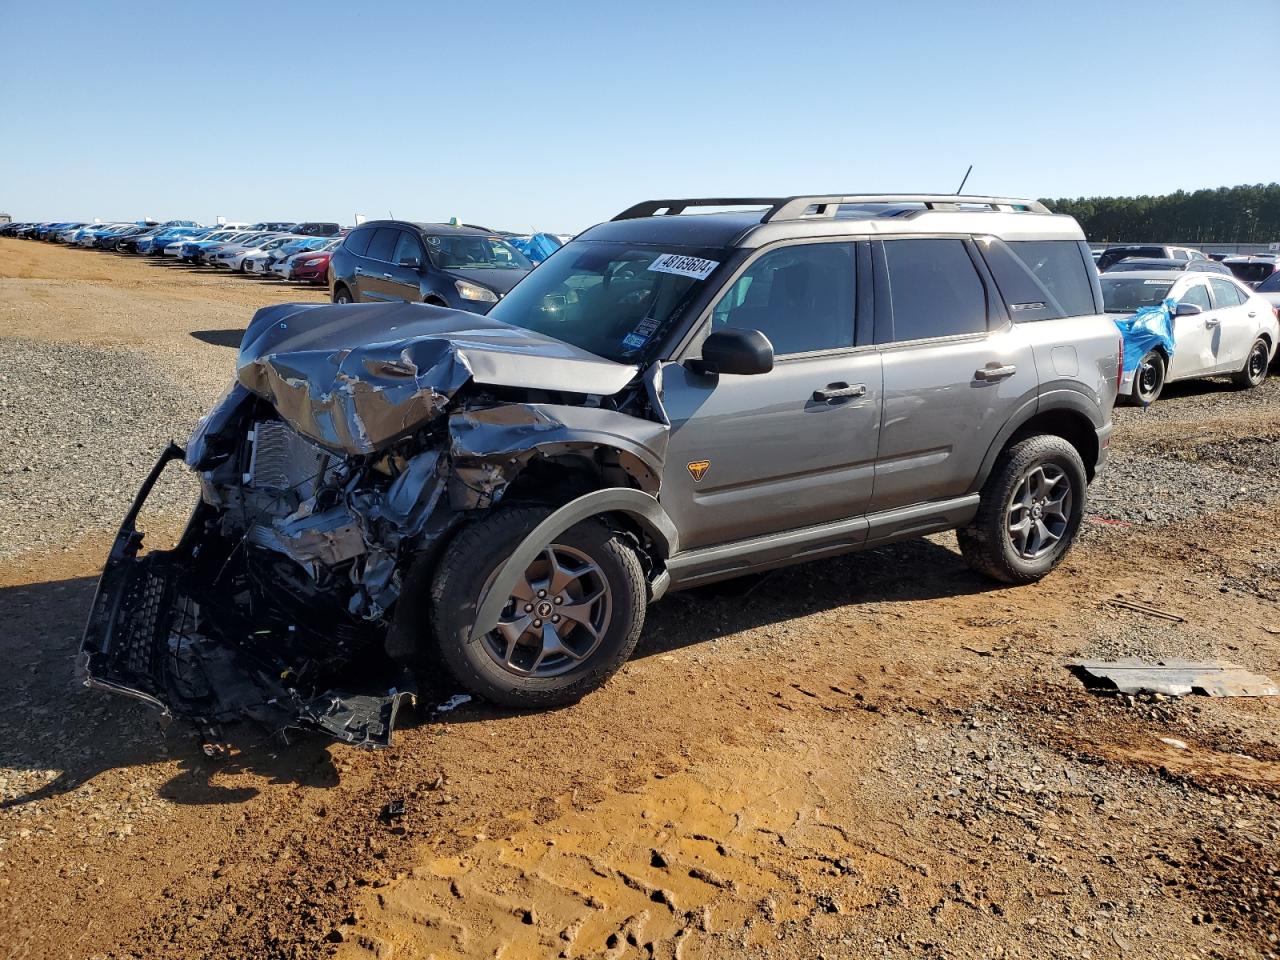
{"x": 1039, "y": 511}
{"x": 555, "y": 618}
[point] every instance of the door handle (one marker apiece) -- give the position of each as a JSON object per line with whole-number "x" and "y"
{"x": 386, "y": 276}
{"x": 1212, "y": 321}
{"x": 837, "y": 391}
{"x": 994, "y": 371}
{"x": 1253, "y": 313}
{"x": 359, "y": 272}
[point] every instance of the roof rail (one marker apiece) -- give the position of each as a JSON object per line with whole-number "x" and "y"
{"x": 826, "y": 205}
{"x": 672, "y": 207}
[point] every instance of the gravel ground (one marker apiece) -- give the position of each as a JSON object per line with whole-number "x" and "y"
{"x": 82, "y": 426}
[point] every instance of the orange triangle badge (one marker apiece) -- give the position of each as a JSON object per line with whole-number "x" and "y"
{"x": 698, "y": 469}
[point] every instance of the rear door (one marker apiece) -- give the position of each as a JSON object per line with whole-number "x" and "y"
{"x": 795, "y": 447}
{"x": 956, "y": 368}
{"x": 1239, "y": 323}
{"x": 373, "y": 271}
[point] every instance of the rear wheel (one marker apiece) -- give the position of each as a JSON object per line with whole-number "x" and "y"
{"x": 570, "y": 623}
{"x": 1148, "y": 379}
{"x": 1029, "y": 513}
{"x": 1254, "y": 370}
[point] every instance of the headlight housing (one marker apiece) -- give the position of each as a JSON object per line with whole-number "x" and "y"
{"x": 473, "y": 291}
{"x": 312, "y": 262}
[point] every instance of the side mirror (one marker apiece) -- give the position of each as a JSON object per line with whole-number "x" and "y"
{"x": 1187, "y": 310}
{"x": 411, "y": 262}
{"x": 736, "y": 351}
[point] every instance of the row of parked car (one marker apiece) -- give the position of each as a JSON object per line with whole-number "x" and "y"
{"x": 1251, "y": 269}
{"x": 292, "y": 251}
{"x": 457, "y": 265}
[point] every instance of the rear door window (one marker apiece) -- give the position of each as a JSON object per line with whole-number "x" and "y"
{"x": 1225, "y": 293}
{"x": 383, "y": 244}
{"x": 935, "y": 289}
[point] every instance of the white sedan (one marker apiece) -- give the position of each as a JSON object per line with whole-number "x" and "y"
{"x": 1221, "y": 328}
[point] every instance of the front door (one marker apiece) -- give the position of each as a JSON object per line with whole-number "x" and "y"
{"x": 795, "y": 447}
{"x": 1195, "y": 336}
{"x": 955, "y": 370}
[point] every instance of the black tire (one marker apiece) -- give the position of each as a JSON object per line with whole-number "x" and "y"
{"x": 1148, "y": 379}
{"x": 988, "y": 543}
{"x": 1255, "y": 366}
{"x": 342, "y": 295}
{"x": 461, "y": 577}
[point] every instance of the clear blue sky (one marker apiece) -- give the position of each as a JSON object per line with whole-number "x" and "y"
{"x": 557, "y": 115}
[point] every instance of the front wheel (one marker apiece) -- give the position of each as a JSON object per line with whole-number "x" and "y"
{"x": 341, "y": 295}
{"x": 1029, "y": 512}
{"x": 568, "y": 626}
{"x": 1148, "y": 379}
{"x": 1254, "y": 370}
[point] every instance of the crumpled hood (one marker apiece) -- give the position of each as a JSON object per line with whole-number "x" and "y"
{"x": 354, "y": 378}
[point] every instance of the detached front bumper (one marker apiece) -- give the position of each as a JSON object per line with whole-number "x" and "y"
{"x": 154, "y": 633}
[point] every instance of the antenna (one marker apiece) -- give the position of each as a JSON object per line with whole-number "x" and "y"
{"x": 965, "y": 180}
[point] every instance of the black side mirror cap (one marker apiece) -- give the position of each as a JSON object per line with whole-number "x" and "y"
{"x": 733, "y": 350}
{"x": 1187, "y": 310}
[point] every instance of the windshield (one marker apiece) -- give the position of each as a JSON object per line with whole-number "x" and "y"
{"x": 465, "y": 252}
{"x": 1271, "y": 284}
{"x": 1127, "y": 294}
{"x": 616, "y": 300}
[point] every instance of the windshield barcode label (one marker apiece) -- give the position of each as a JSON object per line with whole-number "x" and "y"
{"x": 684, "y": 266}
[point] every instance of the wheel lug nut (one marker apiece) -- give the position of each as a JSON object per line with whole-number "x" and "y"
{"x": 537, "y": 623}
{"x": 559, "y": 599}
{"x": 542, "y": 593}
{"x": 555, "y": 618}
{"x": 528, "y": 608}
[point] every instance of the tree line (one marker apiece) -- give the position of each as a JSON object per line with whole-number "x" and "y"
{"x": 1249, "y": 213}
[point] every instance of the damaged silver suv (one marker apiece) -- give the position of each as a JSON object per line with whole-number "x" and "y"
{"x": 674, "y": 397}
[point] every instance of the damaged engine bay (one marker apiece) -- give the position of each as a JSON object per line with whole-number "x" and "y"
{"x": 354, "y": 442}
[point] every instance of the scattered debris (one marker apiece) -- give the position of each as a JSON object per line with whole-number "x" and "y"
{"x": 1175, "y": 743}
{"x": 1146, "y": 608}
{"x": 1175, "y": 678}
{"x": 392, "y": 810}
{"x": 457, "y": 700}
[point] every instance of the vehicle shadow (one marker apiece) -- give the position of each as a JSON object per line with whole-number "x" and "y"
{"x": 219, "y": 338}
{"x": 54, "y": 723}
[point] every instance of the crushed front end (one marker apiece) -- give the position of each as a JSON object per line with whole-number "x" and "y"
{"x": 336, "y": 461}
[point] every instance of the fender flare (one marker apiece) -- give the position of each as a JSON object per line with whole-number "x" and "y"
{"x": 1066, "y": 399}
{"x": 641, "y": 506}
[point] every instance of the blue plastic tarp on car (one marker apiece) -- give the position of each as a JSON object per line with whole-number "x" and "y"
{"x": 1147, "y": 329}
{"x": 537, "y": 247}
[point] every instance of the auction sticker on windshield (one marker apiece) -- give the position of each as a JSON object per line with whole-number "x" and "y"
{"x": 684, "y": 266}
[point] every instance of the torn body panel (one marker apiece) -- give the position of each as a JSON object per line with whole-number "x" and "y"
{"x": 355, "y": 441}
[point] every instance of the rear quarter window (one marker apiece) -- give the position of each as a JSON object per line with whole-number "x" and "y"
{"x": 358, "y": 242}
{"x": 1042, "y": 279}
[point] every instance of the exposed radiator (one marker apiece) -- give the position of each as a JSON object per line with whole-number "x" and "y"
{"x": 284, "y": 460}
